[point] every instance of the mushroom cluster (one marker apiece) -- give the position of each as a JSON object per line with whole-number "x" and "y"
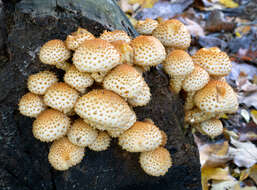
{"x": 94, "y": 100}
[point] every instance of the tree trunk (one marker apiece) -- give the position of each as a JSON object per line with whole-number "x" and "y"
{"x": 25, "y": 26}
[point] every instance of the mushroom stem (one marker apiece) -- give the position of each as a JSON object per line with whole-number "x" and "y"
{"x": 176, "y": 83}
{"x": 189, "y": 104}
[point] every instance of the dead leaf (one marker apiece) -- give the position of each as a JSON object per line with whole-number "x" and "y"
{"x": 144, "y": 3}
{"x": 244, "y": 174}
{"x": 224, "y": 185}
{"x": 208, "y": 5}
{"x": 244, "y": 154}
{"x": 254, "y": 116}
{"x": 253, "y": 173}
{"x": 245, "y": 114}
{"x": 249, "y": 99}
{"x": 194, "y": 28}
{"x": 228, "y": 3}
{"x": 238, "y": 187}
{"x": 209, "y": 173}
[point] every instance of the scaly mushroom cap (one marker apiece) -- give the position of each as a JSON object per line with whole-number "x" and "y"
{"x": 53, "y": 52}
{"x": 104, "y": 109}
{"x": 101, "y": 143}
{"x": 156, "y": 162}
{"x": 31, "y": 105}
{"x": 50, "y": 125}
{"x": 74, "y": 40}
{"x": 78, "y": 80}
{"x": 212, "y": 128}
{"x": 164, "y": 138}
{"x": 196, "y": 80}
{"x": 146, "y": 27}
{"x": 63, "y": 154}
{"x": 197, "y": 116}
{"x": 141, "y": 137}
{"x": 99, "y": 76}
{"x": 173, "y": 33}
{"x": 148, "y": 51}
{"x": 216, "y": 96}
{"x": 214, "y": 61}
{"x": 125, "y": 80}
{"x": 125, "y": 50}
{"x": 115, "y": 132}
{"x": 143, "y": 98}
{"x": 178, "y": 63}
{"x": 38, "y": 83}
{"x": 95, "y": 56}
{"x": 81, "y": 134}
{"x": 63, "y": 65}
{"x": 115, "y": 35}
{"x": 61, "y": 96}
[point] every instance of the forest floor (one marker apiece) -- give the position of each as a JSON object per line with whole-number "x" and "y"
{"x": 228, "y": 161}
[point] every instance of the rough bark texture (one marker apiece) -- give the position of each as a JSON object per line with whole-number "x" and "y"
{"x": 23, "y": 159}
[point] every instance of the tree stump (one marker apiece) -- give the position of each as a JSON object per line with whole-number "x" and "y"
{"x": 25, "y": 26}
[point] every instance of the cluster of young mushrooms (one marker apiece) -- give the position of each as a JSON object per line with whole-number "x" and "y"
{"x": 115, "y": 62}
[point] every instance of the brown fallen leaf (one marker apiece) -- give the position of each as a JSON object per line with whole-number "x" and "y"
{"x": 254, "y": 115}
{"x": 194, "y": 28}
{"x": 253, "y": 173}
{"x": 223, "y": 185}
{"x": 144, "y": 3}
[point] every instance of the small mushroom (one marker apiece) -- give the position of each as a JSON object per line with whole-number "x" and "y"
{"x": 81, "y": 134}
{"x": 63, "y": 65}
{"x": 50, "y": 125}
{"x": 177, "y": 65}
{"x": 148, "y": 51}
{"x": 105, "y": 110}
{"x": 74, "y": 40}
{"x": 173, "y": 33}
{"x": 212, "y": 127}
{"x": 216, "y": 97}
{"x": 193, "y": 82}
{"x": 99, "y": 76}
{"x": 156, "y": 162}
{"x": 142, "y": 99}
{"x": 124, "y": 80}
{"x": 96, "y": 55}
{"x": 146, "y": 27}
{"x": 31, "y": 105}
{"x": 78, "y": 80}
{"x": 101, "y": 143}
{"x": 53, "y": 52}
{"x": 125, "y": 50}
{"x": 38, "y": 83}
{"x": 115, "y": 36}
{"x": 213, "y": 60}
{"x": 61, "y": 96}
{"x": 141, "y": 137}
{"x": 63, "y": 154}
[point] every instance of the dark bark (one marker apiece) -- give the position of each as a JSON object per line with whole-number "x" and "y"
{"x": 23, "y": 159}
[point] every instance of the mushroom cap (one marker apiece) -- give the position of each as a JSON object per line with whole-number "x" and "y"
{"x": 61, "y": 96}
{"x": 126, "y": 51}
{"x": 216, "y": 96}
{"x": 74, "y": 40}
{"x": 196, "y": 116}
{"x": 143, "y": 98}
{"x": 148, "y": 51}
{"x": 78, "y": 80}
{"x": 125, "y": 80}
{"x": 214, "y": 61}
{"x": 156, "y": 162}
{"x": 173, "y": 33}
{"x": 50, "y": 125}
{"x": 212, "y": 127}
{"x": 96, "y": 55}
{"x": 164, "y": 138}
{"x": 141, "y": 137}
{"x": 104, "y": 109}
{"x": 63, "y": 65}
{"x": 53, "y": 52}
{"x": 178, "y": 63}
{"x": 101, "y": 143}
{"x": 99, "y": 76}
{"x": 38, "y": 83}
{"x": 196, "y": 80}
{"x": 31, "y": 105}
{"x": 63, "y": 154}
{"x": 115, "y": 35}
{"x": 146, "y": 27}
{"x": 81, "y": 134}
{"x": 115, "y": 132}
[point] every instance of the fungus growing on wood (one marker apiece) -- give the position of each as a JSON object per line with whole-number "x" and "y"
{"x": 143, "y": 97}
{"x": 101, "y": 143}
{"x": 173, "y": 33}
{"x": 38, "y": 83}
{"x": 99, "y": 76}
{"x": 126, "y": 51}
{"x": 53, "y": 52}
{"x": 31, "y": 105}
{"x": 156, "y": 162}
{"x": 63, "y": 154}
{"x": 141, "y": 137}
{"x": 115, "y": 36}
{"x": 81, "y": 134}
{"x": 78, "y": 80}
{"x": 104, "y": 109}
{"x": 95, "y": 56}
{"x": 146, "y": 27}
{"x": 50, "y": 125}
{"x": 212, "y": 128}
{"x": 61, "y": 96}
